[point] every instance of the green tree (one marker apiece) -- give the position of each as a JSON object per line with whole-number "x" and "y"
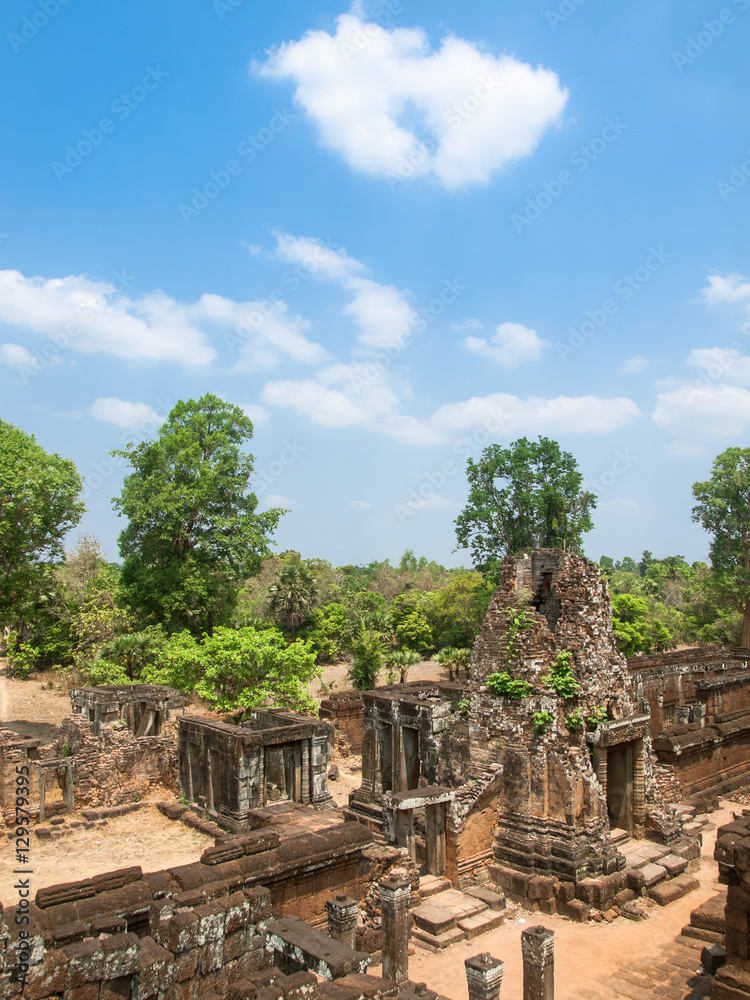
{"x": 291, "y": 599}
{"x": 38, "y": 506}
{"x": 636, "y": 628}
{"x": 238, "y": 668}
{"x": 193, "y": 532}
{"x": 368, "y": 659}
{"x": 723, "y": 509}
{"x": 524, "y": 497}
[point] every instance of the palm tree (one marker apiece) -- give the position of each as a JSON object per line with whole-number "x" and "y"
{"x": 292, "y": 598}
{"x": 401, "y": 660}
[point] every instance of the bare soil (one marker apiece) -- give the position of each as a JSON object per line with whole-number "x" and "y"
{"x": 144, "y": 838}
{"x": 335, "y": 676}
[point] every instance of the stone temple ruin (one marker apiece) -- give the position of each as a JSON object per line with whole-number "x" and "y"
{"x": 501, "y": 789}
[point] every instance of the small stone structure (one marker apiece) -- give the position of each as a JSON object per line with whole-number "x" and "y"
{"x": 144, "y": 708}
{"x": 346, "y": 713}
{"x": 732, "y": 851}
{"x": 527, "y": 782}
{"x": 232, "y": 770}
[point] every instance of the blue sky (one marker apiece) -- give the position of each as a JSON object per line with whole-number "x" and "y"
{"x": 392, "y": 232}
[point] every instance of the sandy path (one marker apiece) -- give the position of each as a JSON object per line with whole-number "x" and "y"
{"x": 586, "y": 955}
{"x": 29, "y": 707}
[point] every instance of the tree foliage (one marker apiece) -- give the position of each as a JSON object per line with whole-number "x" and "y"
{"x": 723, "y": 509}
{"x": 524, "y": 497}
{"x": 193, "y": 532}
{"x": 38, "y": 506}
{"x": 238, "y": 668}
{"x": 292, "y": 597}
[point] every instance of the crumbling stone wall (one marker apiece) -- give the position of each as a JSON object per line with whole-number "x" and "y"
{"x": 20, "y": 752}
{"x": 346, "y": 713}
{"x": 707, "y": 758}
{"x": 186, "y": 931}
{"x": 116, "y": 766}
{"x": 144, "y": 708}
{"x": 692, "y": 685}
{"x": 732, "y": 851}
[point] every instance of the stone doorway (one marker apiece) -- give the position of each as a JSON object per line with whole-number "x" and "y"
{"x": 411, "y": 757}
{"x": 385, "y": 737}
{"x": 620, "y": 772}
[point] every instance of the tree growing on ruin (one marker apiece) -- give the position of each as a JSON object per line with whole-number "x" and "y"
{"x": 39, "y": 504}
{"x": 193, "y": 532}
{"x": 527, "y": 496}
{"x": 723, "y": 509}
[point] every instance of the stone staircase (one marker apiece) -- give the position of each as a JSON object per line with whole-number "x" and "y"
{"x": 449, "y": 915}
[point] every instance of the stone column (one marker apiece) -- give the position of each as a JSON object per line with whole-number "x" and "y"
{"x": 69, "y": 790}
{"x": 639, "y": 789}
{"x": 342, "y": 920}
{"x": 435, "y": 837}
{"x": 484, "y": 975}
{"x": 42, "y": 789}
{"x": 404, "y": 823}
{"x": 394, "y": 906}
{"x": 600, "y": 766}
{"x": 305, "y": 779}
{"x": 538, "y": 950}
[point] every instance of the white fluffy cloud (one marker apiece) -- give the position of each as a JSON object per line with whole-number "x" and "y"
{"x": 710, "y": 413}
{"x": 90, "y": 316}
{"x": 358, "y": 394}
{"x": 123, "y": 413}
{"x": 511, "y": 345}
{"x": 381, "y": 313}
{"x": 361, "y": 506}
{"x": 391, "y": 106}
{"x": 723, "y": 289}
{"x": 258, "y": 414}
{"x": 16, "y": 356}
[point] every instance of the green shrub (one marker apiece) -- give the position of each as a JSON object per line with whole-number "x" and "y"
{"x": 542, "y": 720}
{"x": 561, "y": 679}
{"x": 574, "y": 720}
{"x": 368, "y": 660}
{"x": 22, "y": 660}
{"x": 505, "y": 686}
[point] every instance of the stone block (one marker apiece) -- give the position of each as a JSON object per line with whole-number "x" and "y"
{"x": 738, "y": 898}
{"x": 674, "y": 889}
{"x": 437, "y": 942}
{"x": 481, "y": 922}
{"x": 589, "y": 891}
{"x": 494, "y": 900}
{"x": 433, "y": 919}
{"x": 578, "y": 911}
{"x": 47, "y": 978}
{"x": 623, "y": 897}
{"x": 674, "y": 864}
{"x": 713, "y": 958}
{"x": 653, "y": 874}
{"x": 541, "y": 887}
{"x": 736, "y": 942}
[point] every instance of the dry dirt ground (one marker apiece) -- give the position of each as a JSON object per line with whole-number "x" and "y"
{"x": 144, "y": 838}
{"x": 587, "y": 957}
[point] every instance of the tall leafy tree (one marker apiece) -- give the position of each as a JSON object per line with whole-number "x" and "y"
{"x": 527, "y": 496}
{"x": 39, "y": 504}
{"x": 723, "y": 508}
{"x": 193, "y": 531}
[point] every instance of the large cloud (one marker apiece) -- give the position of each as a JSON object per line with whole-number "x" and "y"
{"x": 392, "y": 107}
{"x": 359, "y": 394}
{"x": 90, "y": 316}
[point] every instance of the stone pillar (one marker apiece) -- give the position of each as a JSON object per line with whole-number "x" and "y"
{"x": 600, "y": 766}
{"x": 306, "y": 778}
{"x": 69, "y": 790}
{"x": 404, "y": 823}
{"x": 435, "y": 837}
{"x": 538, "y": 950}
{"x": 342, "y": 920}
{"x": 484, "y": 975}
{"x": 394, "y": 906}
{"x": 639, "y": 789}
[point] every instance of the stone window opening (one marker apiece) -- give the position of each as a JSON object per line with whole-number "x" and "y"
{"x": 544, "y": 601}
